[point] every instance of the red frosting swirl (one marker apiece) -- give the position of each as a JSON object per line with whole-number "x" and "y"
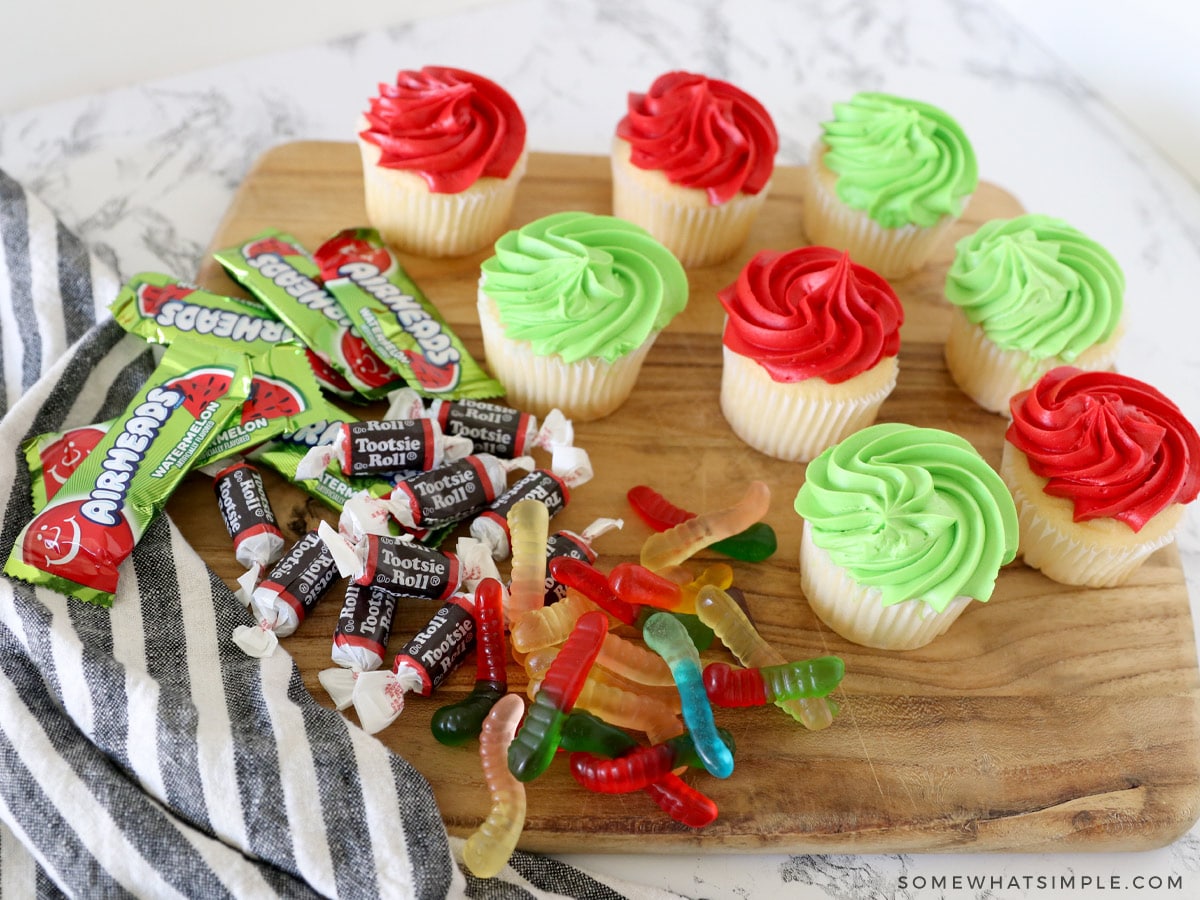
{"x": 1112, "y": 445}
{"x": 811, "y": 312}
{"x": 701, "y": 133}
{"x": 449, "y": 126}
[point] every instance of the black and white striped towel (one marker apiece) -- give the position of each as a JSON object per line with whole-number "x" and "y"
{"x": 141, "y": 753}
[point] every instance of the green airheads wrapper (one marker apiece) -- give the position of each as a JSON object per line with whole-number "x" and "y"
{"x": 276, "y": 269}
{"x": 76, "y": 544}
{"x": 161, "y": 310}
{"x": 397, "y": 320}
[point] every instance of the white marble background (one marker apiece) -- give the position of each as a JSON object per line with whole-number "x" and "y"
{"x": 144, "y": 173}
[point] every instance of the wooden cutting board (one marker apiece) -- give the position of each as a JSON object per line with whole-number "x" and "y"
{"x": 1051, "y": 718}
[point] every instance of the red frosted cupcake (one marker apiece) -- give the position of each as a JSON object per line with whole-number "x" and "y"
{"x": 1100, "y": 466}
{"x": 810, "y": 346}
{"x": 443, "y": 151}
{"x": 692, "y": 163}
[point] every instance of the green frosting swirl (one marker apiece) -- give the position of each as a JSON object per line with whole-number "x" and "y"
{"x": 1036, "y": 284}
{"x": 914, "y": 512}
{"x": 900, "y": 161}
{"x": 583, "y": 285}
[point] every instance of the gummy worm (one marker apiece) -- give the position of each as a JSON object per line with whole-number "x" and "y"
{"x": 528, "y": 529}
{"x": 753, "y": 544}
{"x": 457, "y": 723}
{"x": 537, "y": 740}
{"x": 488, "y": 849}
{"x": 721, "y": 613}
{"x": 640, "y": 767}
{"x": 585, "y": 732}
{"x": 727, "y": 686}
{"x": 668, "y": 638}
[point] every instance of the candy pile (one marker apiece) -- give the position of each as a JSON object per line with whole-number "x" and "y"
{"x": 241, "y": 384}
{"x": 591, "y": 685}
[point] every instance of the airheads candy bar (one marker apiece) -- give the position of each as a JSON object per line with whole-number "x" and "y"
{"x": 76, "y": 544}
{"x": 276, "y": 269}
{"x": 161, "y": 310}
{"x": 397, "y": 320}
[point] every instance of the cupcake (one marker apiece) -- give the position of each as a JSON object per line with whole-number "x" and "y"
{"x": 692, "y": 162}
{"x": 886, "y": 181}
{"x": 1030, "y": 294}
{"x": 1100, "y": 466}
{"x": 570, "y": 305}
{"x": 809, "y": 346}
{"x": 903, "y": 528}
{"x": 443, "y": 151}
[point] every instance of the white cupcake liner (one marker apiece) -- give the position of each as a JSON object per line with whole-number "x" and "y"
{"x": 890, "y": 252}
{"x": 1100, "y": 553}
{"x": 990, "y": 375}
{"x": 410, "y": 217}
{"x": 797, "y": 421}
{"x": 590, "y": 388}
{"x": 857, "y": 613}
{"x": 681, "y": 219}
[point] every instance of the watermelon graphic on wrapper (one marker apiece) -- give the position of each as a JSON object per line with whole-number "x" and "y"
{"x": 431, "y": 378}
{"x": 270, "y": 245}
{"x": 151, "y": 298}
{"x": 271, "y": 398}
{"x": 201, "y": 386}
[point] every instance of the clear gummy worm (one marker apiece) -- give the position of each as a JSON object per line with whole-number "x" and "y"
{"x": 488, "y": 849}
{"x": 673, "y": 546}
{"x": 528, "y": 529}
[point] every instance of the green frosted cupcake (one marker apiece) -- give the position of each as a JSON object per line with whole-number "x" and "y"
{"x": 570, "y": 305}
{"x": 903, "y": 528}
{"x": 1030, "y": 294}
{"x": 886, "y": 181}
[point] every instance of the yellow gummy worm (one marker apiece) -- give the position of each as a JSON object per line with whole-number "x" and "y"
{"x": 721, "y": 613}
{"x": 528, "y": 528}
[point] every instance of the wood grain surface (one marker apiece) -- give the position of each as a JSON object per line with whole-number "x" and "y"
{"x": 1050, "y": 718}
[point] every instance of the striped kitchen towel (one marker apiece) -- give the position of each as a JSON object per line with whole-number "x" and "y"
{"x": 141, "y": 753}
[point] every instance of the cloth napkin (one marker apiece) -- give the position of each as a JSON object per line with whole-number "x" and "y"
{"x": 141, "y": 752}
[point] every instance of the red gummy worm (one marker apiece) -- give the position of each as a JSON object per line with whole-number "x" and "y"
{"x": 566, "y": 675}
{"x": 634, "y": 583}
{"x": 491, "y": 658}
{"x": 654, "y": 509}
{"x": 590, "y": 582}
{"x": 682, "y": 802}
{"x": 627, "y": 773}
{"x": 727, "y": 686}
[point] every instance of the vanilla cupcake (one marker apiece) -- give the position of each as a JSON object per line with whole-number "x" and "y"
{"x": 570, "y": 305}
{"x": 1030, "y": 294}
{"x": 886, "y": 181}
{"x": 903, "y": 528}
{"x": 442, "y": 151}
{"x": 692, "y": 162}
{"x": 809, "y": 345}
{"x": 1100, "y": 466}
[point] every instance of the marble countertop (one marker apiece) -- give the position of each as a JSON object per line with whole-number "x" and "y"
{"x": 144, "y": 174}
